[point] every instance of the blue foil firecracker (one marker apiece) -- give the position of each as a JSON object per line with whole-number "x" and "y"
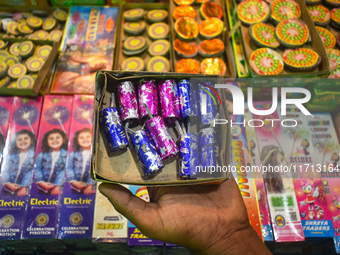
{"x": 113, "y": 129}
{"x": 189, "y": 157}
{"x": 208, "y": 109}
{"x": 147, "y": 154}
{"x": 184, "y": 98}
{"x": 208, "y": 155}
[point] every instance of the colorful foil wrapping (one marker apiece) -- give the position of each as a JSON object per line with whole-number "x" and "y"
{"x": 184, "y": 97}
{"x": 169, "y": 99}
{"x": 128, "y": 101}
{"x": 208, "y": 109}
{"x": 189, "y": 157}
{"x": 161, "y": 136}
{"x": 148, "y": 94}
{"x": 146, "y": 151}
{"x": 113, "y": 129}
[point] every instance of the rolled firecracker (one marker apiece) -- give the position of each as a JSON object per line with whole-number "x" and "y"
{"x": 189, "y": 157}
{"x": 128, "y": 102}
{"x": 208, "y": 136}
{"x": 169, "y": 99}
{"x": 113, "y": 129}
{"x": 208, "y": 156}
{"x": 161, "y": 136}
{"x": 208, "y": 109}
{"x": 184, "y": 97}
{"x": 147, "y": 94}
{"x": 149, "y": 159}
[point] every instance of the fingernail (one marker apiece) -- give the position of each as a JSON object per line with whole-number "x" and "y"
{"x": 102, "y": 189}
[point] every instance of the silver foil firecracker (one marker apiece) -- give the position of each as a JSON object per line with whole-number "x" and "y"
{"x": 208, "y": 109}
{"x": 169, "y": 100}
{"x": 128, "y": 102}
{"x": 189, "y": 156}
{"x": 113, "y": 128}
{"x": 147, "y": 94}
{"x": 184, "y": 98}
{"x": 149, "y": 159}
{"x": 161, "y": 136}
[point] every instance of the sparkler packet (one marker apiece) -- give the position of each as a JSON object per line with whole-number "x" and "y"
{"x": 161, "y": 136}
{"x": 77, "y": 205}
{"x": 50, "y": 166}
{"x": 146, "y": 151}
{"x": 208, "y": 109}
{"x": 5, "y": 113}
{"x": 18, "y": 163}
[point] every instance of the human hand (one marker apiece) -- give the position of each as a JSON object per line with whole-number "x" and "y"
{"x": 55, "y": 190}
{"x": 22, "y": 192}
{"x": 207, "y": 219}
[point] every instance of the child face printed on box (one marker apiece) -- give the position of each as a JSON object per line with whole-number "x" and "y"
{"x": 55, "y": 141}
{"x": 85, "y": 140}
{"x": 23, "y": 142}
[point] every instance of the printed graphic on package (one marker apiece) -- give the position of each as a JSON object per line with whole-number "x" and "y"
{"x": 135, "y": 236}
{"x": 90, "y": 30}
{"x": 253, "y": 148}
{"x": 76, "y": 218}
{"x": 50, "y": 166}
{"x": 5, "y": 113}
{"x": 108, "y": 224}
{"x": 240, "y": 159}
{"x": 310, "y": 194}
{"x": 17, "y": 167}
{"x": 279, "y": 184}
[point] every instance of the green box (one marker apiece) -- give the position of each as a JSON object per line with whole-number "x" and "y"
{"x": 77, "y": 2}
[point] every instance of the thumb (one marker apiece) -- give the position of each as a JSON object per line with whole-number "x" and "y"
{"x": 139, "y": 212}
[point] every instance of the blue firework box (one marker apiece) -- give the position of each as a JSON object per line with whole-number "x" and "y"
{"x": 199, "y": 160}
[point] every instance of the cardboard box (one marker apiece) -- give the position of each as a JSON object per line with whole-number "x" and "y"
{"x": 227, "y": 56}
{"x": 119, "y": 56}
{"x": 43, "y": 74}
{"x": 315, "y": 44}
{"x": 27, "y": 3}
{"x": 123, "y": 167}
{"x": 77, "y": 2}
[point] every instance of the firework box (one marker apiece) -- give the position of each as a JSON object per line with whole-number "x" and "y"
{"x": 42, "y": 214}
{"x": 228, "y": 54}
{"x": 77, "y": 205}
{"x": 14, "y": 188}
{"x": 326, "y": 162}
{"x": 315, "y": 215}
{"x": 88, "y": 45}
{"x": 243, "y": 45}
{"x": 108, "y": 224}
{"x": 241, "y": 160}
{"x": 135, "y": 236}
{"x": 281, "y": 196}
{"x": 122, "y": 35}
{"x": 5, "y": 113}
{"x": 261, "y": 193}
{"x": 43, "y": 74}
{"x": 105, "y": 166}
